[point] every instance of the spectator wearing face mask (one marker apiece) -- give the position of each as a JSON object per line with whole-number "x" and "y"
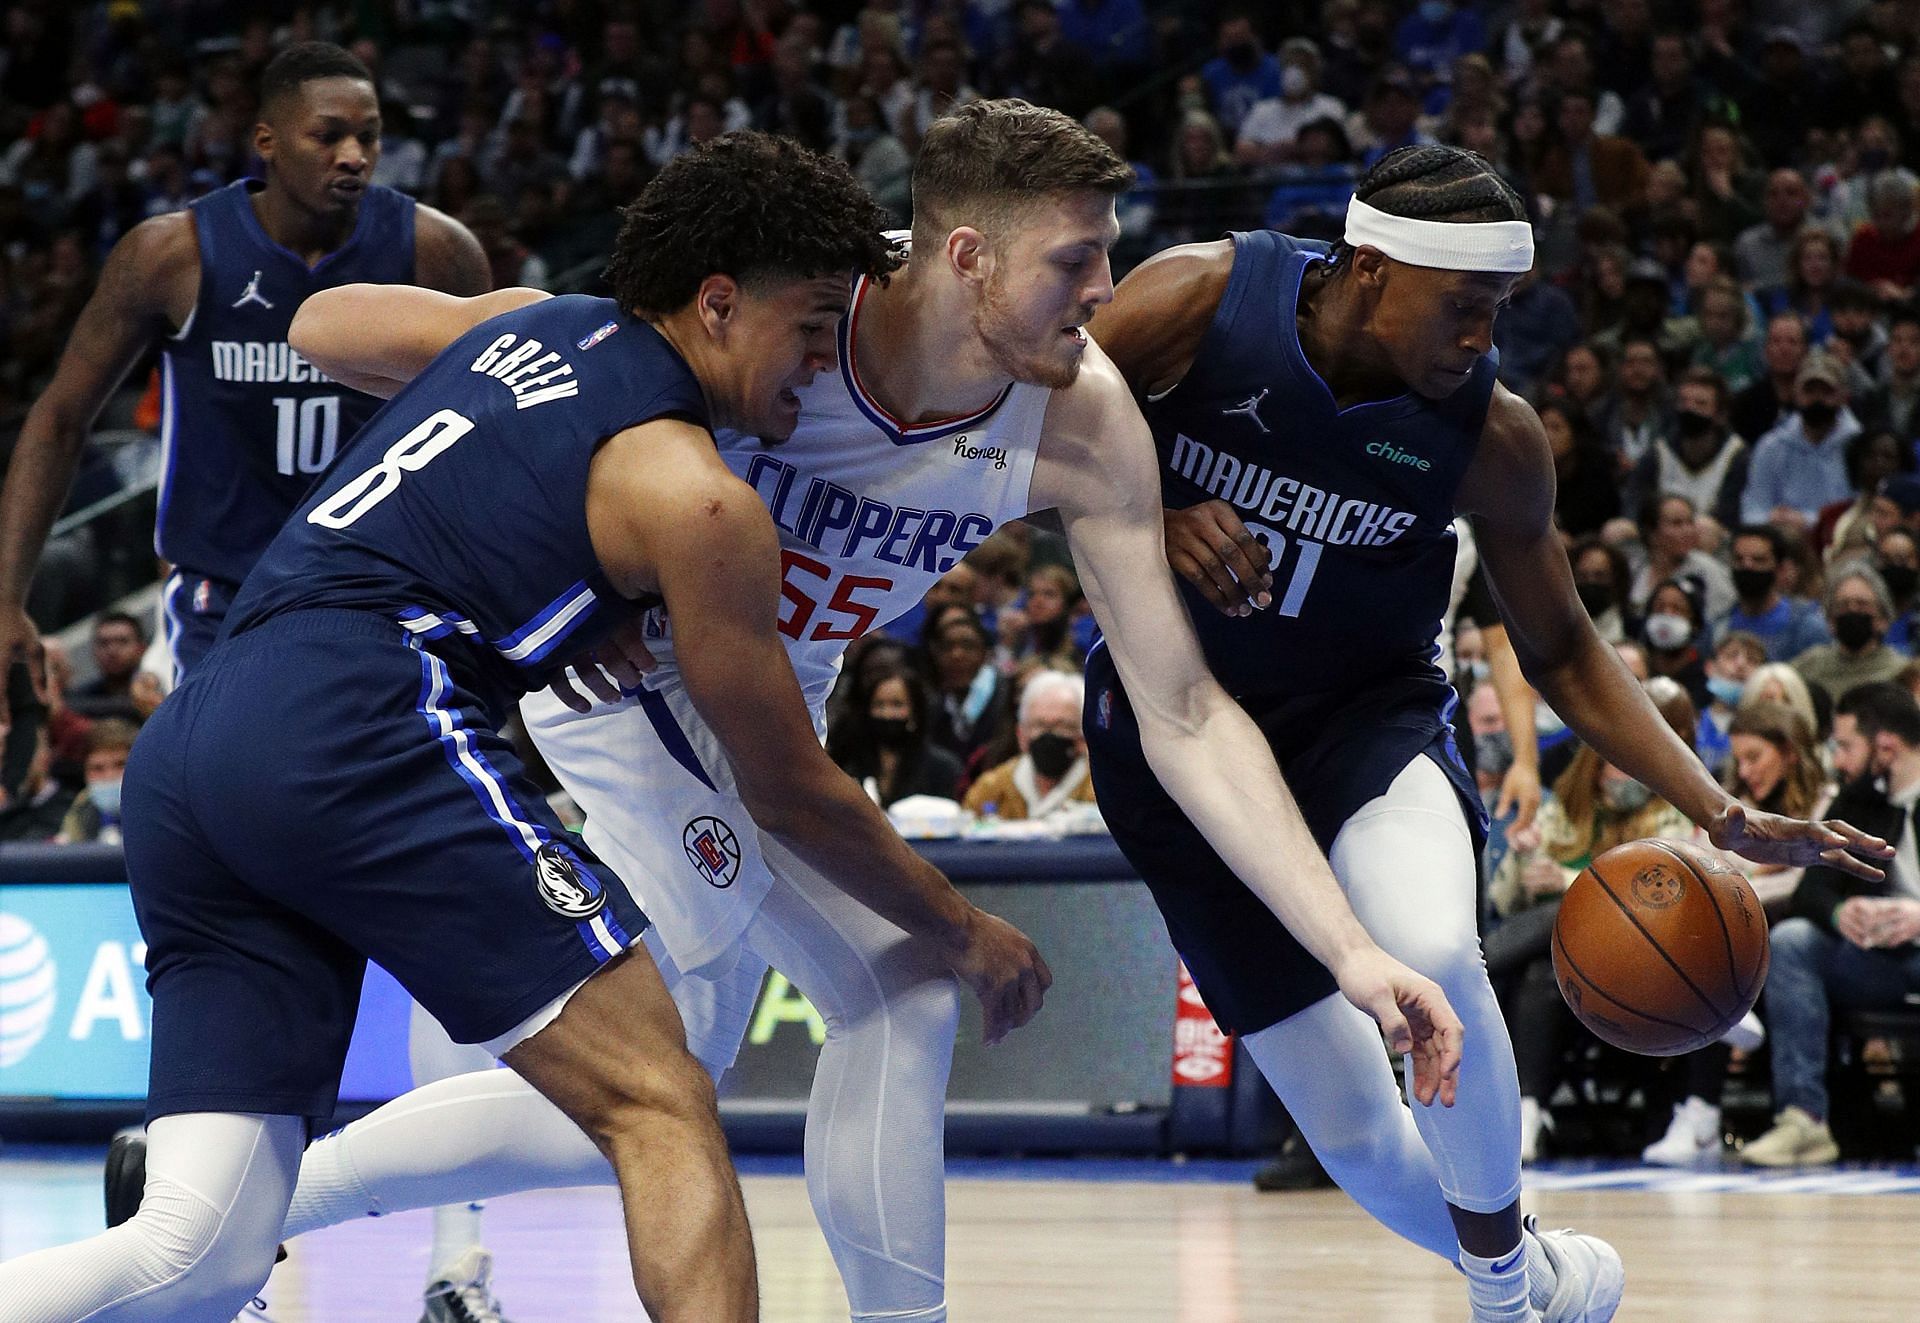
{"x": 1735, "y": 658}
{"x": 1859, "y": 611}
{"x": 1700, "y": 459}
{"x": 1050, "y": 773}
{"x": 95, "y": 815}
{"x": 882, "y": 741}
{"x": 1673, "y": 634}
{"x": 1897, "y": 556}
{"x": 1601, "y": 578}
{"x": 1801, "y": 466}
{"x": 1785, "y": 626}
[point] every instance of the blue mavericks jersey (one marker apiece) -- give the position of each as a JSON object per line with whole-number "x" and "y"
{"x": 1354, "y": 504}
{"x": 461, "y": 509}
{"x": 246, "y": 423}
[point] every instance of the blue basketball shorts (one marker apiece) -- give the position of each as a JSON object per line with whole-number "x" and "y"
{"x": 320, "y": 792}
{"x": 1337, "y": 756}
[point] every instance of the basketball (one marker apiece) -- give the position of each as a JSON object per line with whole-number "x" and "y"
{"x": 1660, "y": 947}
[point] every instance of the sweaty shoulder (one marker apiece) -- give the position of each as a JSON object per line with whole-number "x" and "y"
{"x": 155, "y": 268}
{"x": 1160, "y": 313}
{"x": 446, "y": 255}
{"x": 1511, "y": 475}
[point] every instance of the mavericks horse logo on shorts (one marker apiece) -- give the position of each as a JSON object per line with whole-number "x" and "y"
{"x": 713, "y": 849}
{"x": 566, "y": 888}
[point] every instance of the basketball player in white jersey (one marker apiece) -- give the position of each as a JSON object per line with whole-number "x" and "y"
{"x": 967, "y": 394}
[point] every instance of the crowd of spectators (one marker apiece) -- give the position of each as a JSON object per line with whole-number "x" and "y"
{"x": 1721, "y": 336}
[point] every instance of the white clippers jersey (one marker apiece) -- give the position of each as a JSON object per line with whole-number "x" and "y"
{"x": 871, "y": 511}
{"x": 870, "y": 514}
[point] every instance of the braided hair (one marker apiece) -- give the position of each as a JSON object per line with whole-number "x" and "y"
{"x": 1438, "y": 183}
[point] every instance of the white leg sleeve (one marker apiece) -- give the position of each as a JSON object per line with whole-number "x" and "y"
{"x": 199, "y": 1248}
{"x": 489, "y": 1133}
{"x": 875, "y": 1150}
{"x": 435, "y": 1056}
{"x": 1407, "y": 863}
{"x": 1329, "y": 1068}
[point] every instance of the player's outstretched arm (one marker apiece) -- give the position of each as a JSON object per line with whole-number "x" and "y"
{"x": 127, "y": 313}
{"x": 664, "y": 509}
{"x": 1508, "y": 490}
{"x": 1097, "y": 468}
{"x": 377, "y": 338}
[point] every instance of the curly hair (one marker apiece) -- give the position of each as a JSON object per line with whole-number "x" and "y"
{"x": 747, "y": 205}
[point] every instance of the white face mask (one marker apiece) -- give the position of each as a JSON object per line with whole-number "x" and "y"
{"x": 1668, "y": 632}
{"x": 1294, "y": 81}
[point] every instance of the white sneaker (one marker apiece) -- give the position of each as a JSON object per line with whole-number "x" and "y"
{"x": 1747, "y": 1033}
{"x": 1586, "y": 1275}
{"x": 463, "y": 1293}
{"x": 1533, "y": 1120}
{"x": 1693, "y": 1134}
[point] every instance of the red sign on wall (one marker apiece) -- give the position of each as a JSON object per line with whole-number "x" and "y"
{"x": 1202, "y": 1053}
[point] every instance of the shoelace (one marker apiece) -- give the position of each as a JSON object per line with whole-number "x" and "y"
{"x": 472, "y": 1303}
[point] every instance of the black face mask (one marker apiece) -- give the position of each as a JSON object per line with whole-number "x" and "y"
{"x": 891, "y": 732}
{"x": 1820, "y": 416}
{"x": 1853, "y": 630}
{"x": 1052, "y": 755}
{"x": 1754, "y": 585}
{"x": 1596, "y": 597}
{"x": 1693, "y": 426}
{"x": 1901, "y": 580}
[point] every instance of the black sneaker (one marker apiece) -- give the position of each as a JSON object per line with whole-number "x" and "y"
{"x": 126, "y": 1176}
{"x": 1294, "y": 1168}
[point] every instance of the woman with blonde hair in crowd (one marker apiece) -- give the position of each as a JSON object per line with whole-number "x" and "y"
{"x": 1594, "y": 807}
{"x": 1777, "y": 682}
{"x": 1775, "y": 767}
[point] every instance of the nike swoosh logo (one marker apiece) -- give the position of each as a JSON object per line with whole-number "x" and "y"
{"x": 1512, "y": 1259}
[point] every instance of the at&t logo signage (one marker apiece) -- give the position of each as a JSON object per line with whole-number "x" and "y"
{"x": 27, "y": 975}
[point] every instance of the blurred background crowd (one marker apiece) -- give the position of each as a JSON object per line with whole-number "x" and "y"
{"x": 1721, "y": 336}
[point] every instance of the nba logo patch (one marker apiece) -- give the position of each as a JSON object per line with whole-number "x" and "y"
{"x": 713, "y": 850}
{"x": 599, "y": 335}
{"x": 1103, "y": 710}
{"x": 202, "y": 596}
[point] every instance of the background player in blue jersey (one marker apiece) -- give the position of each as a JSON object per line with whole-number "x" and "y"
{"x": 246, "y": 424}
{"x": 547, "y": 477}
{"x": 1321, "y": 418}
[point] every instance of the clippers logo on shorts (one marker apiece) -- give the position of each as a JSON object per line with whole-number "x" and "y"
{"x": 565, "y": 889}
{"x": 713, "y": 849}
{"x": 1658, "y": 887}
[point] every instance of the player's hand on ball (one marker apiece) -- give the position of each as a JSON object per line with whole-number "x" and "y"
{"x": 609, "y": 672}
{"x": 1209, "y": 547}
{"x": 1769, "y": 838}
{"x": 1413, "y": 1014}
{"x": 1004, "y": 969}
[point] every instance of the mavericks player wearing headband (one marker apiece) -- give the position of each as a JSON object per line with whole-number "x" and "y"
{"x": 1321, "y": 418}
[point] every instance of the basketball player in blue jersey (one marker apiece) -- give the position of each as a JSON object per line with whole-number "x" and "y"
{"x": 974, "y": 346}
{"x": 1321, "y": 417}
{"x": 246, "y": 423}
{"x": 329, "y": 785}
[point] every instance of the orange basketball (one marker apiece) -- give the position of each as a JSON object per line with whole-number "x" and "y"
{"x": 1660, "y": 947}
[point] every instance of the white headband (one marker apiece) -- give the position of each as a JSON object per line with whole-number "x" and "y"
{"x": 1505, "y": 247}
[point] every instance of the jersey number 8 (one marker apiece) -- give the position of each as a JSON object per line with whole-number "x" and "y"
{"x": 411, "y": 453}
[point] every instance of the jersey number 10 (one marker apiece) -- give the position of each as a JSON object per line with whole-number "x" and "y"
{"x": 307, "y": 434}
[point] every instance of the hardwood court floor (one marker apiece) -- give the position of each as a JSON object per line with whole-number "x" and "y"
{"x": 1088, "y": 1241}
